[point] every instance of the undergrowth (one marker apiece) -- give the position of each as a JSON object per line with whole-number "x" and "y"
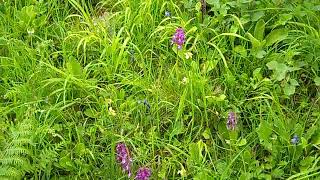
{"x": 79, "y": 77}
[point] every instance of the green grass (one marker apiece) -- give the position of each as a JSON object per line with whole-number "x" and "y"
{"x": 74, "y": 76}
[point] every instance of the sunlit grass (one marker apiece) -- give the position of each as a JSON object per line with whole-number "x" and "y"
{"x": 239, "y": 100}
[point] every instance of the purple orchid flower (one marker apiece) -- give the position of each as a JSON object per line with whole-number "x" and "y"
{"x": 143, "y": 174}
{"x": 232, "y": 121}
{"x": 179, "y": 38}
{"x": 123, "y": 157}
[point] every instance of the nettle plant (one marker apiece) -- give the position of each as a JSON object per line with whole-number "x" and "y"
{"x": 273, "y": 41}
{"x": 281, "y": 73}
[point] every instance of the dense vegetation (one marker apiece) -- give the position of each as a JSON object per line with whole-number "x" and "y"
{"x": 91, "y": 87}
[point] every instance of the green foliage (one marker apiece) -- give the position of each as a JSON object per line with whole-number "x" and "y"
{"x": 16, "y": 152}
{"x": 77, "y": 77}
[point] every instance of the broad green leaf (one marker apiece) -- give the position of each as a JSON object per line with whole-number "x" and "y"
{"x": 277, "y": 173}
{"x": 255, "y": 42}
{"x": 233, "y": 136}
{"x": 292, "y": 69}
{"x": 279, "y": 70}
{"x": 178, "y": 128}
{"x": 80, "y": 149}
{"x": 180, "y": 52}
{"x": 230, "y": 78}
{"x": 214, "y": 2}
{"x": 206, "y": 133}
{"x": 299, "y": 64}
{"x": 247, "y": 156}
{"x": 307, "y": 162}
{"x": 42, "y": 20}
{"x": 215, "y": 99}
{"x": 198, "y": 6}
{"x": 245, "y": 19}
{"x": 265, "y": 176}
{"x": 304, "y": 142}
{"x": 209, "y": 66}
{"x": 267, "y": 165}
{"x": 257, "y": 15}
{"x": 276, "y": 36}
{"x": 195, "y": 154}
{"x": 221, "y": 166}
{"x": 257, "y": 73}
{"x": 259, "y": 30}
{"x": 222, "y": 97}
{"x": 317, "y": 81}
{"x": 260, "y": 54}
{"x": 290, "y": 88}
{"x": 245, "y": 176}
{"x": 240, "y": 50}
{"x": 3, "y": 41}
{"x": 294, "y": 82}
{"x": 283, "y": 19}
{"x": 74, "y": 67}
{"x": 316, "y": 8}
{"x": 224, "y": 9}
{"x": 27, "y": 14}
{"x": 90, "y": 113}
{"x": 202, "y": 175}
{"x": 316, "y": 138}
{"x": 66, "y": 163}
{"x": 242, "y": 142}
{"x": 222, "y": 130}
{"x": 282, "y": 163}
{"x": 264, "y": 131}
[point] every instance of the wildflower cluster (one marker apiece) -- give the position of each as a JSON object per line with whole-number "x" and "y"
{"x": 123, "y": 157}
{"x": 143, "y": 174}
{"x": 232, "y": 121}
{"x": 178, "y": 38}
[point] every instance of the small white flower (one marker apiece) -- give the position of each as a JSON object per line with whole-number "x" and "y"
{"x": 184, "y": 80}
{"x": 30, "y": 31}
{"x": 182, "y": 172}
{"x": 95, "y": 21}
{"x": 188, "y": 55}
{"x": 108, "y": 101}
{"x": 112, "y": 112}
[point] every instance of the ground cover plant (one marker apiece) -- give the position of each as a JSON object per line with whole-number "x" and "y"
{"x": 159, "y": 89}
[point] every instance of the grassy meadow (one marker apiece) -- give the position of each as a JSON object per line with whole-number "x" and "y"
{"x": 183, "y": 89}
